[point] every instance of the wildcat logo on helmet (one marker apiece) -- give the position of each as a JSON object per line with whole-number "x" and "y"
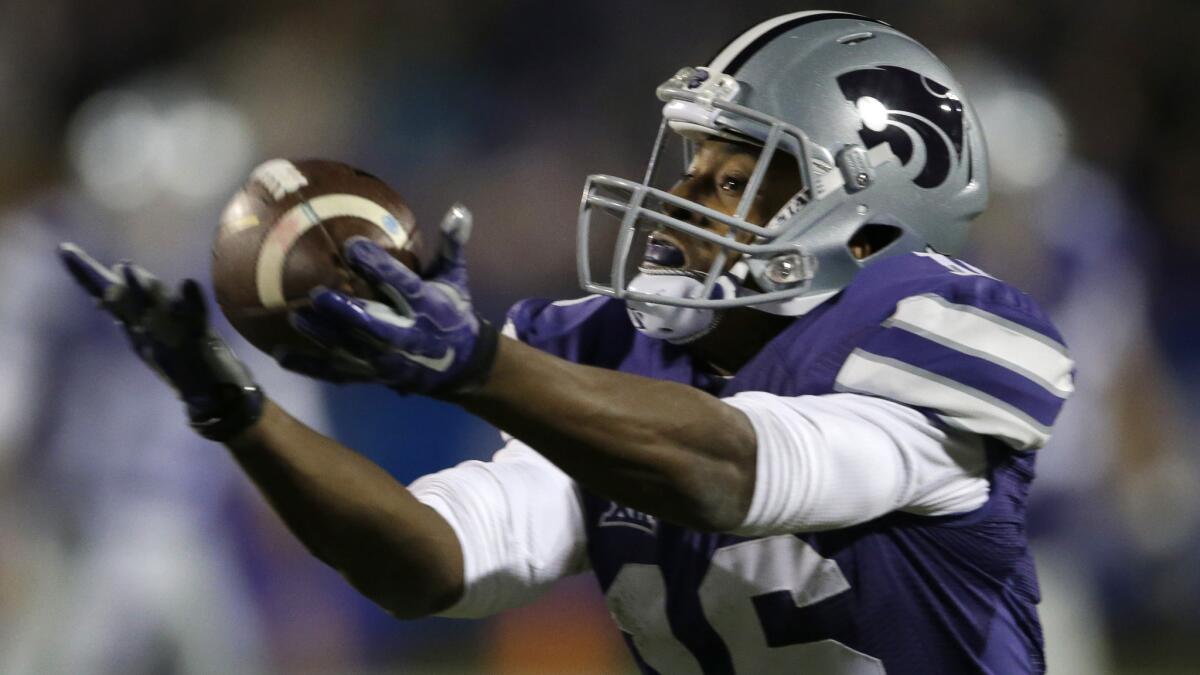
{"x": 902, "y": 108}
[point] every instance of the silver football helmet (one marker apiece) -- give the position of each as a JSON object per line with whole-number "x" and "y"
{"x": 883, "y": 139}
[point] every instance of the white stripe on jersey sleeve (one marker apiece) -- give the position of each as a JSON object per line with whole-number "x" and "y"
{"x": 987, "y": 336}
{"x": 958, "y": 405}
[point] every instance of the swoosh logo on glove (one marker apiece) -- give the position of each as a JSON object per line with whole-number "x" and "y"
{"x": 439, "y": 364}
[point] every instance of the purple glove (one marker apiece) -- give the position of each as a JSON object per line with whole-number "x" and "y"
{"x": 170, "y": 332}
{"x": 424, "y": 338}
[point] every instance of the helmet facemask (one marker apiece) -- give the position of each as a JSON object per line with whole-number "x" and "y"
{"x": 753, "y": 263}
{"x": 891, "y": 161}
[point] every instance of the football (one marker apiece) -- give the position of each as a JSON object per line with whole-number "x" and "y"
{"x": 281, "y": 236}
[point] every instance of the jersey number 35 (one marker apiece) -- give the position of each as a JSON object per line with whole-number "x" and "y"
{"x": 735, "y": 597}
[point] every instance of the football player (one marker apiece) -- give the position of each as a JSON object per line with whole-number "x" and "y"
{"x": 797, "y": 437}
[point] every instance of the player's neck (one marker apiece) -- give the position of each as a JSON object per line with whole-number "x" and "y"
{"x": 741, "y": 334}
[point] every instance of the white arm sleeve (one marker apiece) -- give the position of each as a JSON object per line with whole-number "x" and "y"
{"x": 826, "y": 462}
{"x": 519, "y": 521}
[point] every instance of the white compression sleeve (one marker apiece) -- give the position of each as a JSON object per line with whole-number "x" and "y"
{"x": 519, "y": 521}
{"x": 832, "y": 461}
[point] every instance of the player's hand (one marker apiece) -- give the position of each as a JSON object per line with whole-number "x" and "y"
{"x": 425, "y": 336}
{"x": 170, "y": 332}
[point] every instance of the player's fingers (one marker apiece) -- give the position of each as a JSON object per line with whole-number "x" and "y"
{"x": 88, "y": 273}
{"x": 333, "y": 366}
{"x": 338, "y": 320}
{"x": 309, "y": 366}
{"x": 386, "y": 275}
{"x": 455, "y": 230}
{"x": 365, "y": 318}
{"x": 190, "y": 306}
{"x": 425, "y": 349}
{"x": 378, "y": 266}
{"x": 145, "y": 290}
{"x": 339, "y": 309}
{"x": 317, "y": 327}
{"x": 192, "y": 298}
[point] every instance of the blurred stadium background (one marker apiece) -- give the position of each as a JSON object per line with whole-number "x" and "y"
{"x": 129, "y": 546}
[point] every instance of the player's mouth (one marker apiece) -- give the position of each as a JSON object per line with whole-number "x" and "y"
{"x": 663, "y": 253}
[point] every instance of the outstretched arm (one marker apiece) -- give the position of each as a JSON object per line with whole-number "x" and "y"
{"x": 745, "y": 465}
{"x": 665, "y": 448}
{"x": 661, "y": 447}
{"x": 353, "y": 515}
{"x": 350, "y": 513}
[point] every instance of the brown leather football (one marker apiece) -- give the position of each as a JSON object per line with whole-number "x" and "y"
{"x": 281, "y": 236}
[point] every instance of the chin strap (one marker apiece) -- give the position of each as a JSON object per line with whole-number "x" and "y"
{"x": 673, "y": 323}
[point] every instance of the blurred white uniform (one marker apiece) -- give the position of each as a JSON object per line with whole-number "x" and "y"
{"x": 1074, "y": 258}
{"x": 137, "y": 572}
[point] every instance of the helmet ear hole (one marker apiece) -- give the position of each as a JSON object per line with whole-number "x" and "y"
{"x": 872, "y": 238}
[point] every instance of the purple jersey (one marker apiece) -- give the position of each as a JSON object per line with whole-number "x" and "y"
{"x": 905, "y": 593}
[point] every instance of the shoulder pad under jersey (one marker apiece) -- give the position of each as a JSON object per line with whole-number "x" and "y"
{"x": 594, "y": 329}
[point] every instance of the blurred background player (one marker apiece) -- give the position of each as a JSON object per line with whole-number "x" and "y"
{"x": 139, "y": 556}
